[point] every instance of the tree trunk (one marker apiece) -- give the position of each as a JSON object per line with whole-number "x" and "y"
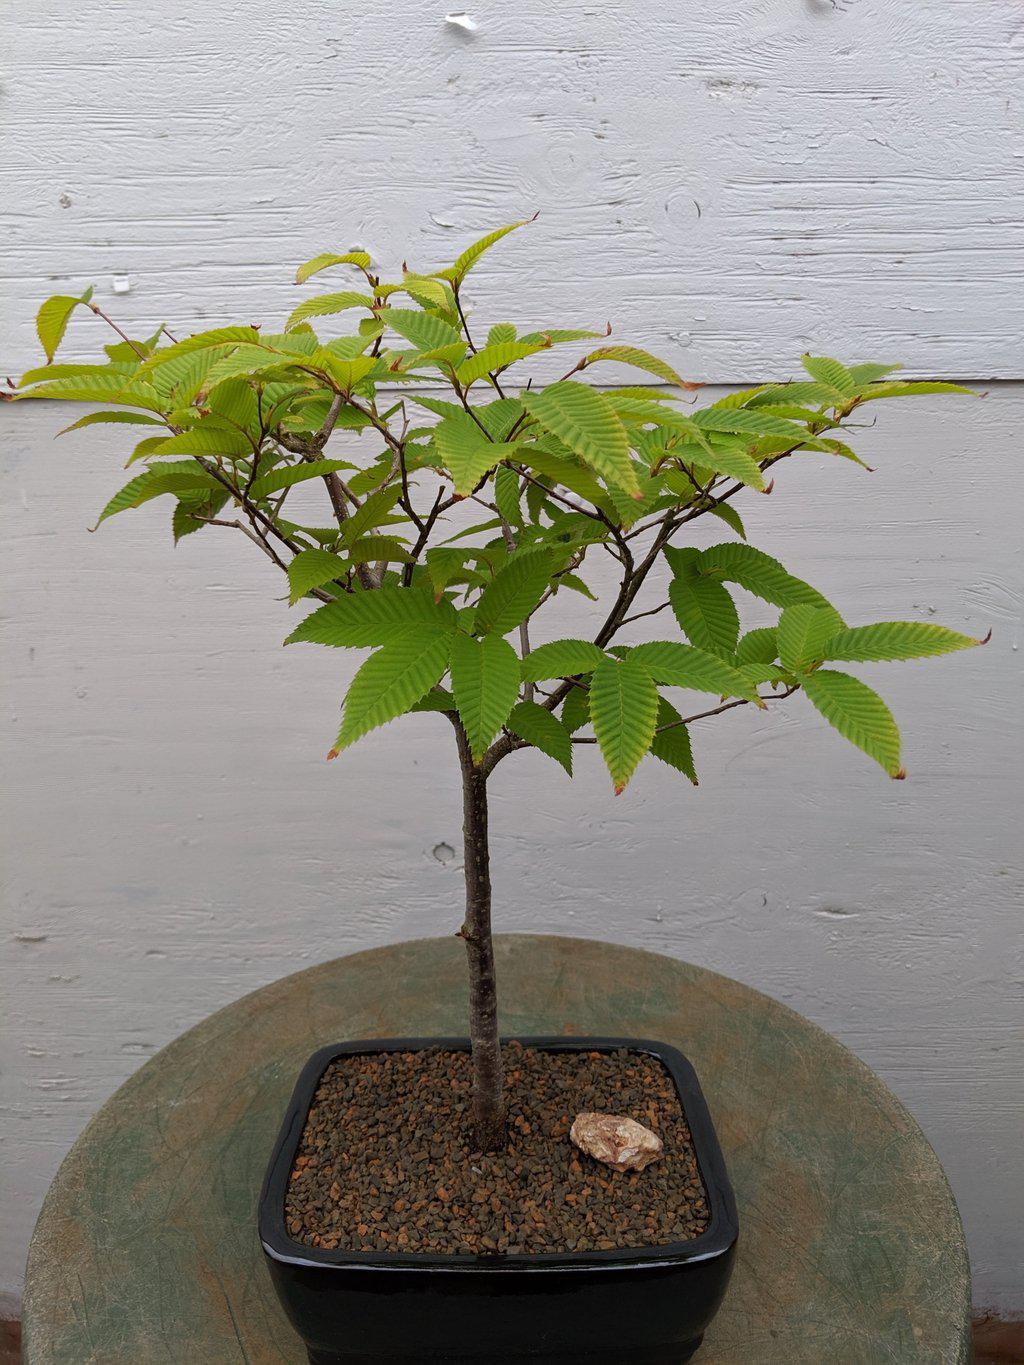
{"x": 488, "y": 1078}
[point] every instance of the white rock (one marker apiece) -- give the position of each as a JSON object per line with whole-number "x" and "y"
{"x": 618, "y": 1141}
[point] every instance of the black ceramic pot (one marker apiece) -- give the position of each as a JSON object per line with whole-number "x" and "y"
{"x": 647, "y": 1305}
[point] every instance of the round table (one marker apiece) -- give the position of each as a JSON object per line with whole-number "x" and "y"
{"x": 851, "y": 1248}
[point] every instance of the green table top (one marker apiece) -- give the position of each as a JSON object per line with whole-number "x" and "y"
{"x": 851, "y": 1248}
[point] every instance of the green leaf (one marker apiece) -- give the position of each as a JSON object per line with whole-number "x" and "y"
{"x": 435, "y": 405}
{"x": 759, "y": 646}
{"x": 205, "y": 440}
{"x": 724, "y": 511}
{"x": 506, "y": 495}
{"x": 758, "y": 573}
{"x": 796, "y": 391}
{"x": 109, "y": 370}
{"x": 344, "y": 372}
{"x": 494, "y": 357}
{"x": 576, "y": 709}
{"x": 896, "y": 388}
{"x": 437, "y": 699}
{"x": 803, "y": 633}
{"x": 392, "y": 680}
{"x": 429, "y": 293}
{"x": 733, "y": 461}
{"x": 374, "y": 617}
{"x": 372, "y": 513}
{"x": 323, "y": 305}
{"x": 445, "y": 357}
{"x": 561, "y": 659}
{"x": 148, "y": 449}
{"x": 748, "y": 422}
{"x": 485, "y": 683}
{"x": 574, "y": 583}
{"x": 185, "y": 520}
{"x": 492, "y": 525}
{"x": 446, "y": 565}
{"x": 544, "y": 731}
{"x": 587, "y": 423}
{"x": 867, "y": 374}
{"x": 558, "y": 336}
{"x": 624, "y": 710}
{"x": 466, "y": 452}
{"x": 859, "y": 714}
{"x": 344, "y": 348}
{"x": 833, "y": 375}
{"x": 501, "y": 331}
{"x": 567, "y": 473}
{"x": 135, "y": 419}
{"x": 677, "y": 665}
{"x": 312, "y": 569}
{"x": 641, "y": 360}
{"x": 99, "y": 388}
{"x": 52, "y": 320}
{"x": 184, "y": 477}
{"x": 211, "y": 368}
{"x": 380, "y": 549}
{"x": 513, "y": 593}
{"x": 896, "y": 640}
{"x": 706, "y": 613}
{"x": 200, "y": 341}
{"x": 236, "y": 404}
{"x": 764, "y": 673}
{"x": 328, "y": 258}
{"x": 464, "y": 263}
{"x": 293, "y": 474}
{"x": 673, "y": 746}
{"x": 424, "y": 330}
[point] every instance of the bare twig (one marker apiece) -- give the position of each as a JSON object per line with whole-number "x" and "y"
{"x": 95, "y": 308}
{"x": 641, "y": 614}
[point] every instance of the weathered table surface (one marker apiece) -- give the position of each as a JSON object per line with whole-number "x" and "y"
{"x": 851, "y": 1248}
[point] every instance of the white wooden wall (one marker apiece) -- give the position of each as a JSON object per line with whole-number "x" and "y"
{"x": 731, "y": 184}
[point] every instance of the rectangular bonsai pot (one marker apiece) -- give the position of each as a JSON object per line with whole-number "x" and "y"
{"x": 647, "y": 1304}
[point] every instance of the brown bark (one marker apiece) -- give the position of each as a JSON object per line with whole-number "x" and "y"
{"x": 488, "y": 1099}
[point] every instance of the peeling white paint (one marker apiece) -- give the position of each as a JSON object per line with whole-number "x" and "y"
{"x": 460, "y": 19}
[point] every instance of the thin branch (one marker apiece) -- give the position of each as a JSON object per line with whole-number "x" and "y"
{"x": 462, "y": 317}
{"x": 246, "y": 531}
{"x": 95, "y": 308}
{"x": 330, "y": 421}
{"x": 641, "y": 614}
{"x": 263, "y": 545}
{"x": 440, "y": 505}
{"x": 469, "y": 338}
{"x": 254, "y": 513}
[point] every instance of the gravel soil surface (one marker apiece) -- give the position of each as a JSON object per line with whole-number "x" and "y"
{"x": 386, "y": 1161}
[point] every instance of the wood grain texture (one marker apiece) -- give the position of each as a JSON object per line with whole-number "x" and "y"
{"x": 851, "y": 1248}
{"x": 731, "y": 184}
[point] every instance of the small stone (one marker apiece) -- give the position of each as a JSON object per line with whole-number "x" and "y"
{"x": 615, "y": 1139}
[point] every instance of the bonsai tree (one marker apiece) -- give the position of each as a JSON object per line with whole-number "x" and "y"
{"x": 467, "y": 514}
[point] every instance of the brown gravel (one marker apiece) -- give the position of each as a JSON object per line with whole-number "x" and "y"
{"x": 386, "y": 1163}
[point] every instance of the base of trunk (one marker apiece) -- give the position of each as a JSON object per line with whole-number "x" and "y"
{"x": 649, "y": 1303}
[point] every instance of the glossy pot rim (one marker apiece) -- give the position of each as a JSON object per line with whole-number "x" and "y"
{"x": 719, "y": 1237}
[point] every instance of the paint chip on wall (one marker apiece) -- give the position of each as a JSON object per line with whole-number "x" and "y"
{"x": 460, "y": 19}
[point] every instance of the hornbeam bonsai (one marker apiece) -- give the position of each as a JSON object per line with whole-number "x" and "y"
{"x": 450, "y": 523}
